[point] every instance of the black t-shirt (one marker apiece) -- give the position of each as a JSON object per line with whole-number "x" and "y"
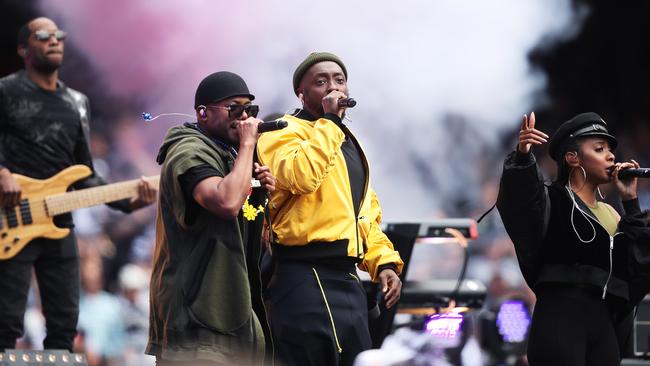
{"x": 188, "y": 182}
{"x": 356, "y": 172}
{"x": 40, "y": 131}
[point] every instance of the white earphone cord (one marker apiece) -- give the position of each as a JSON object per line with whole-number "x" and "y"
{"x": 583, "y": 215}
{"x": 169, "y": 114}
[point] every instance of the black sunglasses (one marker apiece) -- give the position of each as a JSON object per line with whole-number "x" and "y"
{"x": 44, "y": 35}
{"x": 235, "y": 110}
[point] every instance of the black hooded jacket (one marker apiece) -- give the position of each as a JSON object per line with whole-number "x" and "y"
{"x": 553, "y": 237}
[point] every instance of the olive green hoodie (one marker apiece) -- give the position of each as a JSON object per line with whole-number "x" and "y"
{"x": 205, "y": 286}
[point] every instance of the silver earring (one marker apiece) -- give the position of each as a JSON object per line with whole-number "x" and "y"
{"x": 602, "y": 197}
{"x": 584, "y": 174}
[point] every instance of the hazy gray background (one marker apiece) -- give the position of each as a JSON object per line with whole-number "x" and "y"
{"x": 436, "y": 81}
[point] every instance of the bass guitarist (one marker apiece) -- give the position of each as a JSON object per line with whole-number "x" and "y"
{"x": 44, "y": 128}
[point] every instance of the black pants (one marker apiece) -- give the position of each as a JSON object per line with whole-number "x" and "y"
{"x": 57, "y": 274}
{"x": 572, "y": 326}
{"x": 318, "y": 314}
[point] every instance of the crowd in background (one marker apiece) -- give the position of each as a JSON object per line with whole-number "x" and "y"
{"x": 604, "y": 67}
{"x": 116, "y": 252}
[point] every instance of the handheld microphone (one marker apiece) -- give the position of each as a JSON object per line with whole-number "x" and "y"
{"x": 347, "y": 102}
{"x": 634, "y": 173}
{"x": 271, "y": 126}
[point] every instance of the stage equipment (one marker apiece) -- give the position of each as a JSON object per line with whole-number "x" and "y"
{"x": 425, "y": 298}
{"x": 50, "y": 357}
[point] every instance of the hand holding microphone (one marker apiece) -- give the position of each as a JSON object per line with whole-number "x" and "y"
{"x": 634, "y": 173}
{"x": 262, "y": 126}
{"x": 630, "y": 173}
{"x": 625, "y": 182}
{"x": 347, "y": 102}
{"x": 271, "y": 126}
{"x": 336, "y": 101}
{"x": 247, "y": 131}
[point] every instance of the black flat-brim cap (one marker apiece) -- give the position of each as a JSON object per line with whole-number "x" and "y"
{"x": 587, "y": 124}
{"x": 219, "y": 86}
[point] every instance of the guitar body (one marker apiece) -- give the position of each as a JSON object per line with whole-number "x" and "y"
{"x": 21, "y": 224}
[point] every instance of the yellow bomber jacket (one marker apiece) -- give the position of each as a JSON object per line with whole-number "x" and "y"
{"x": 312, "y": 203}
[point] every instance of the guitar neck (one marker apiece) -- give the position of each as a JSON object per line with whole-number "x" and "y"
{"x": 69, "y": 201}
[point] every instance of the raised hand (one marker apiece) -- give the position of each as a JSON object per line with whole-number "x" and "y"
{"x": 529, "y": 135}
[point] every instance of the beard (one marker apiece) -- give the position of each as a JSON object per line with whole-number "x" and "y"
{"x": 45, "y": 65}
{"x": 313, "y": 105}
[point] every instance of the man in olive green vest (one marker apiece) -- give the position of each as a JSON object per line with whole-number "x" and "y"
{"x": 206, "y": 304}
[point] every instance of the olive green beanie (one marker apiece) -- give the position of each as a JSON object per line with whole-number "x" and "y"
{"x": 314, "y": 58}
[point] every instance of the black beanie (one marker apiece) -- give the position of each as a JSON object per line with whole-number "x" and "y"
{"x": 314, "y": 58}
{"x": 219, "y": 86}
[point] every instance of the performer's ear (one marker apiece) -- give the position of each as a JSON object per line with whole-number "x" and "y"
{"x": 301, "y": 97}
{"x": 23, "y": 52}
{"x": 201, "y": 110}
{"x": 572, "y": 158}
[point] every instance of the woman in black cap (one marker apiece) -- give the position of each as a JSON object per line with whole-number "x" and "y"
{"x": 582, "y": 260}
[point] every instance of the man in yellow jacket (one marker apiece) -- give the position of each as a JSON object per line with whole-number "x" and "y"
{"x": 325, "y": 220}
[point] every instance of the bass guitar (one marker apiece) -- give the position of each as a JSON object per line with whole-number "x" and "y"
{"x": 42, "y": 199}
